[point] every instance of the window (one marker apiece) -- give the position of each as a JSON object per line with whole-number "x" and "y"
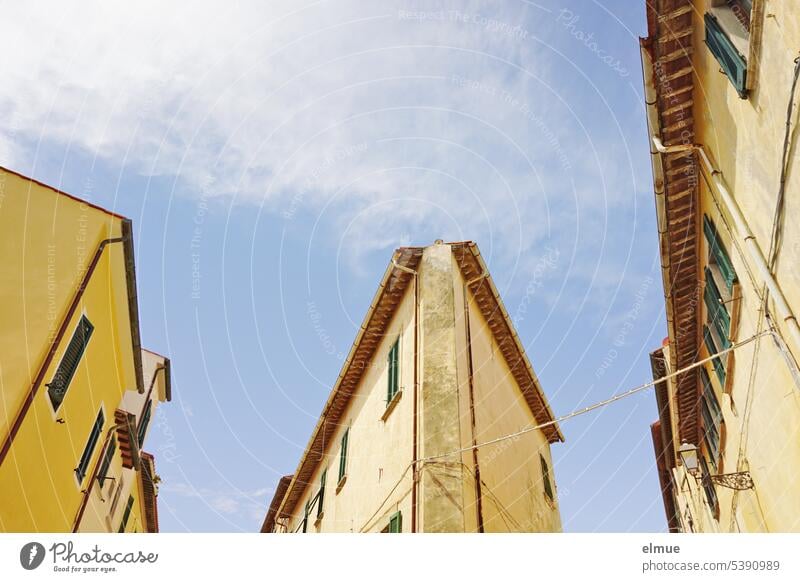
{"x": 712, "y": 418}
{"x": 548, "y": 488}
{"x": 107, "y": 458}
{"x": 717, "y": 255}
{"x": 57, "y": 388}
{"x": 711, "y": 346}
{"x": 115, "y": 500}
{"x": 321, "y": 493}
{"x": 88, "y": 450}
{"x": 728, "y": 38}
{"x": 395, "y": 524}
{"x": 708, "y": 487}
{"x": 343, "y": 455}
{"x": 126, "y": 516}
{"x": 393, "y": 372}
{"x": 306, "y": 511}
{"x": 145, "y": 420}
{"x": 718, "y": 315}
{"x": 720, "y": 278}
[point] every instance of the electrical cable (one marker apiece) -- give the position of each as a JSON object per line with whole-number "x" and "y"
{"x": 779, "y": 204}
{"x": 569, "y": 416}
{"x": 600, "y": 404}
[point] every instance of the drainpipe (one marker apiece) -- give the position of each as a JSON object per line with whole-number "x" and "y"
{"x": 414, "y": 452}
{"x": 654, "y": 125}
{"x": 744, "y": 233}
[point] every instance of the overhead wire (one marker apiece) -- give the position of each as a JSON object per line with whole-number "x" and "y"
{"x": 579, "y": 412}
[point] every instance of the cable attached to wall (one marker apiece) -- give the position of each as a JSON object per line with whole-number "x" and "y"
{"x": 569, "y": 416}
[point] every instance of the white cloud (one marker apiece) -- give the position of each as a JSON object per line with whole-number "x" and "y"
{"x": 379, "y": 116}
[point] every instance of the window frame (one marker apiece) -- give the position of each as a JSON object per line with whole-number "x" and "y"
{"x": 85, "y": 460}
{"x": 728, "y": 55}
{"x": 126, "y": 515}
{"x": 343, "y": 452}
{"x": 717, "y": 363}
{"x": 718, "y": 253}
{"x": 549, "y": 492}
{"x": 395, "y": 524}
{"x": 86, "y": 328}
{"x": 107, "y": 459}
{"x": 393, "y": 372}
{"x": 713, "y": 420}
{"x": 323, "y": 478}
{"x": 709, "y": 488}
{"x": 144, "y": 423}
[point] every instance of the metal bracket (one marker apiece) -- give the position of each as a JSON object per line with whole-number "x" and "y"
{"x": 740, "y": 481}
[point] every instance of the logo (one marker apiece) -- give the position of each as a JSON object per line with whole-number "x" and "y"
{"x": 31, "y": 555}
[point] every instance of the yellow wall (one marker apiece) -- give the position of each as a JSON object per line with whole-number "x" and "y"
{"x": 48, "y": 240}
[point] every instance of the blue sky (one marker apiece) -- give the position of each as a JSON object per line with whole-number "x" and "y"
{"x": 272, "y": 157}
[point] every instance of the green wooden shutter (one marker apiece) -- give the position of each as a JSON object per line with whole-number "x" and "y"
{"x": 393, "y": 371}
{"x": 57, "y": 388}
{"x": 91, "y": 443}
{"x": 321, "y": 493}
{"x": 717, "y": 249}
{"x": 548, "y": 488}
{"x": 144, "y": 422}
{"x": 396, "y": 523}
{"x": 712, "y": 417}
{"x": 719, "y": 366}
{"x": 126, "y": 516}
{"x": 107, "y": 458}
{"x": 343, "y": 454}
{"x": 717, "y": 312}
{"x": 708, "y": 486}
{"x": 729, "y": 58}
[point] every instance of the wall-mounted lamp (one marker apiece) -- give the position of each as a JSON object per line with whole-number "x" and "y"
{"x": 741, "y": 480}
{"x": 688, "y": 455}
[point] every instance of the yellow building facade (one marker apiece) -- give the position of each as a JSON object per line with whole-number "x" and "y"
{"x": 77, "y": 391}
{"x": 718, "y": 83}
{"x": 414, "y": 436}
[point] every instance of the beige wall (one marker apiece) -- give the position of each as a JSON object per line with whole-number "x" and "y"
{"x": 379, "y": 451}
{"x": 379, "y": 477}
{"x": 513, "y": 497}
{"x": 744, "y": 139}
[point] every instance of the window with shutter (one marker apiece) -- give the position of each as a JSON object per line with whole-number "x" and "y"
{"x": 343, "y": 455}
{"x": 717, "y": 253}
{"x": 91, "y": 444}
{"x": 719, "y": 365}
{"x": 57, "y": 387}
{"x": 396, "y": 523}
{"x": 708, "y": 486}
{"x": 712, "y": 418}
{"x": 126, "y": 516}
{"x": 144, "y": 422}
{"x": 393, "y": 371}
{"x": 548, "y": 487}
{"x": 321, "y": 494}
{"x": 718, "y": 314}
{"x": 730, "y": 59}
{"x": 107, "y": 458}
